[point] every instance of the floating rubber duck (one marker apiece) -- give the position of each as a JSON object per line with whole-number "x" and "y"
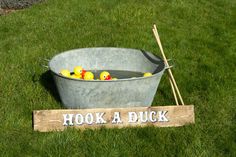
{"x": 88, "y": 76}
{"x": 65, "y": 73}
{"x": 105, "y": 76}
{"x": 79, "y": 71}
{"x": 147, "y": 74}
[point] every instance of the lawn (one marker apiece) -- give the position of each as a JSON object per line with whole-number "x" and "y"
{"x": 200, "y": 37}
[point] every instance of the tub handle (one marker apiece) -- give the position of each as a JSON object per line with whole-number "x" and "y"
{"x": 45, "y": 66}
{"x": 171, "y": 64}
{"x": 168, "y": 67}
{"x": 42, "y": 60}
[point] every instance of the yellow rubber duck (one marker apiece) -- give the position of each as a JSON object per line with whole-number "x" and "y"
{"x": 147, "y": 74}
{"x": 65, "y": 73}
{"x": 79, "y": 71}
{"x": 88, "y": 76}
{"x": 105, "y": 76}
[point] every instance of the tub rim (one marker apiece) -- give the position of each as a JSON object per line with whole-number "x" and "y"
{"x": 162, "y": 64}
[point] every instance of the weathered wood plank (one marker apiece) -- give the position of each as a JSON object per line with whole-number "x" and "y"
{"x": 160, "y": 116}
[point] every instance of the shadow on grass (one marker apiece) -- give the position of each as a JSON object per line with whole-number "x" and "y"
{"x": 48, "y": 83}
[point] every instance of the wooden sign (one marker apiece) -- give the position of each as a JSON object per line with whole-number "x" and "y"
{"x": 160, "y": 116}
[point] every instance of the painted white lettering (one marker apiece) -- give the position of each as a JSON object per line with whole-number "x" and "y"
{"x": 162, "y": 117}
{"x": 116, "y": 118}
{"x": 89, "y": 118}
{"x": 151, "y": 116}
{"x": 68, "y": 118}
{"x": 143, "y": 116}
{"x": 99, "y": 119}
{"x": 132, "y": 117}
{"x": 79, "y": 119}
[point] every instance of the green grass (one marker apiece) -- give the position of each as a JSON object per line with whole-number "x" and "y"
{"x": 199, "y": 35}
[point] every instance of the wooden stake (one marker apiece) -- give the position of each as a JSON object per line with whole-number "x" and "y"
{"x": 172, "y": 86}
{"x": 173, "y": 91}
{"x": 165, "y": 60}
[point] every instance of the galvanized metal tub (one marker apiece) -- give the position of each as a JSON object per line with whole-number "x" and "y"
{"x": 129, "y": 92}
